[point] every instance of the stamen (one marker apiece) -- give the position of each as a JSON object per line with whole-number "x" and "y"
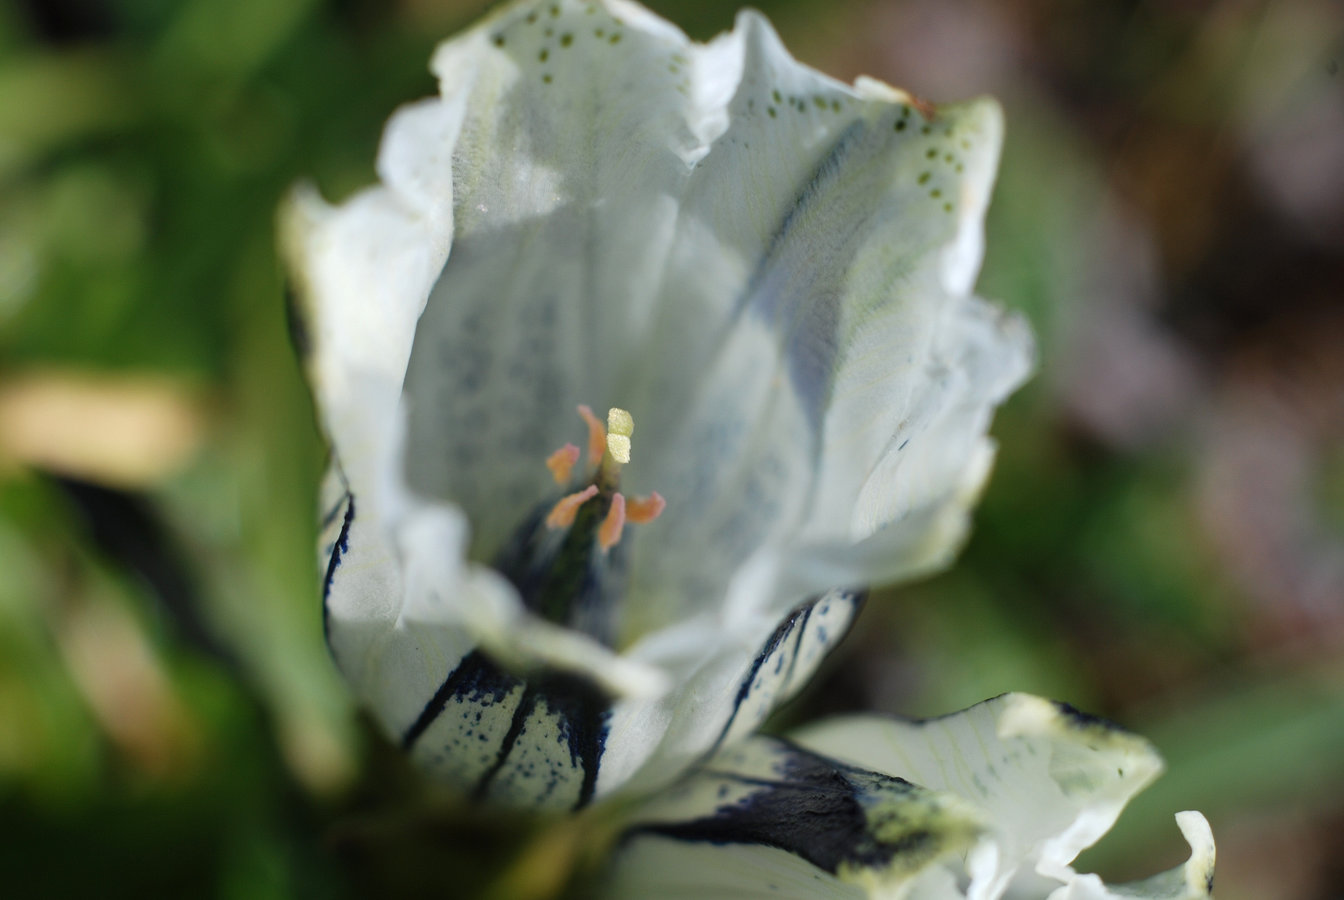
{"x": 563, "y": 513}
{"x": 642, "y": 510}
{"x": 597, "y": 435}
{"x": 609, "y": 535}
{"x": 620, "y": 427}
{"x": 609, "y": 449}
{"x": 561, "y": 463}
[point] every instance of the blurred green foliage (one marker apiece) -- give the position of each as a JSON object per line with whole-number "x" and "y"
{"x": 144, "y": 147}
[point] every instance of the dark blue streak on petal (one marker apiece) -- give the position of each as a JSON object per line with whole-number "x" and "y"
{"x": 585, "y": 712}
{"x": 797, "y": 645}
{"x": 813, "y": 810}
{"x": 582, "y": 712}
{"x": 338, "y": 551}
{"x": 772, "y": 644}
{"x": 1079, "y": 719}
{"x": 526, "y": 705}
{"x": 475, "y": 677}
{"x": 799, "y": 620}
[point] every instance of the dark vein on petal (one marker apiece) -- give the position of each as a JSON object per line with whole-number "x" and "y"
{"x": 797, "y": 647}
{"x": 338, "y": 551}
{"x": 469, "y": 668}
{"x": 744, "y": 689}
{"x": 812, "y": 810}
{"x": 526, "y": 704}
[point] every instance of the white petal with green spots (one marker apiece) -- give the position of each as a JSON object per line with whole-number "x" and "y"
{"x": 771, "y": 270}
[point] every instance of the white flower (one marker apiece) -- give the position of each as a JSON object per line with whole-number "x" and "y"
{"x": 995, "y": 801}
{"x": 768, "y": 269}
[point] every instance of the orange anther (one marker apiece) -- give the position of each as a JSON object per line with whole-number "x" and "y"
{"x": 645, "y": 509}
{"x": 561, "y": 463}
{"x": 609, "y": 535}
{"x": 597, "y": 434}
{"x": 563, "y": 513}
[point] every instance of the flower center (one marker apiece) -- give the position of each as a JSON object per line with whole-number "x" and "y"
{"x": 565, "y": 560}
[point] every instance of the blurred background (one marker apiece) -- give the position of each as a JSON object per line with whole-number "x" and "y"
{"x": 1162, "y": 543}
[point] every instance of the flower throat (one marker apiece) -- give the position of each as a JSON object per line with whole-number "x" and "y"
{"x": 566, "y": 559}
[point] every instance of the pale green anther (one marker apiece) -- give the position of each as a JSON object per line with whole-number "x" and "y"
{"x": 620, "y": 426}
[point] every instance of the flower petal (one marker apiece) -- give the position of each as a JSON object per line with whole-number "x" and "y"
{"x": 1191, "y": 881}
{"x": 720, "y": 240}
{"x": 361, "y": 274}
{"x": 1008, "y": 791}
{"x": 728, "y": 690}
{"x": 565, "y": 176}
{"x": 906, "y": 451}
{"x": 768, "y": 819}
{"x": 1051, "y": 779}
